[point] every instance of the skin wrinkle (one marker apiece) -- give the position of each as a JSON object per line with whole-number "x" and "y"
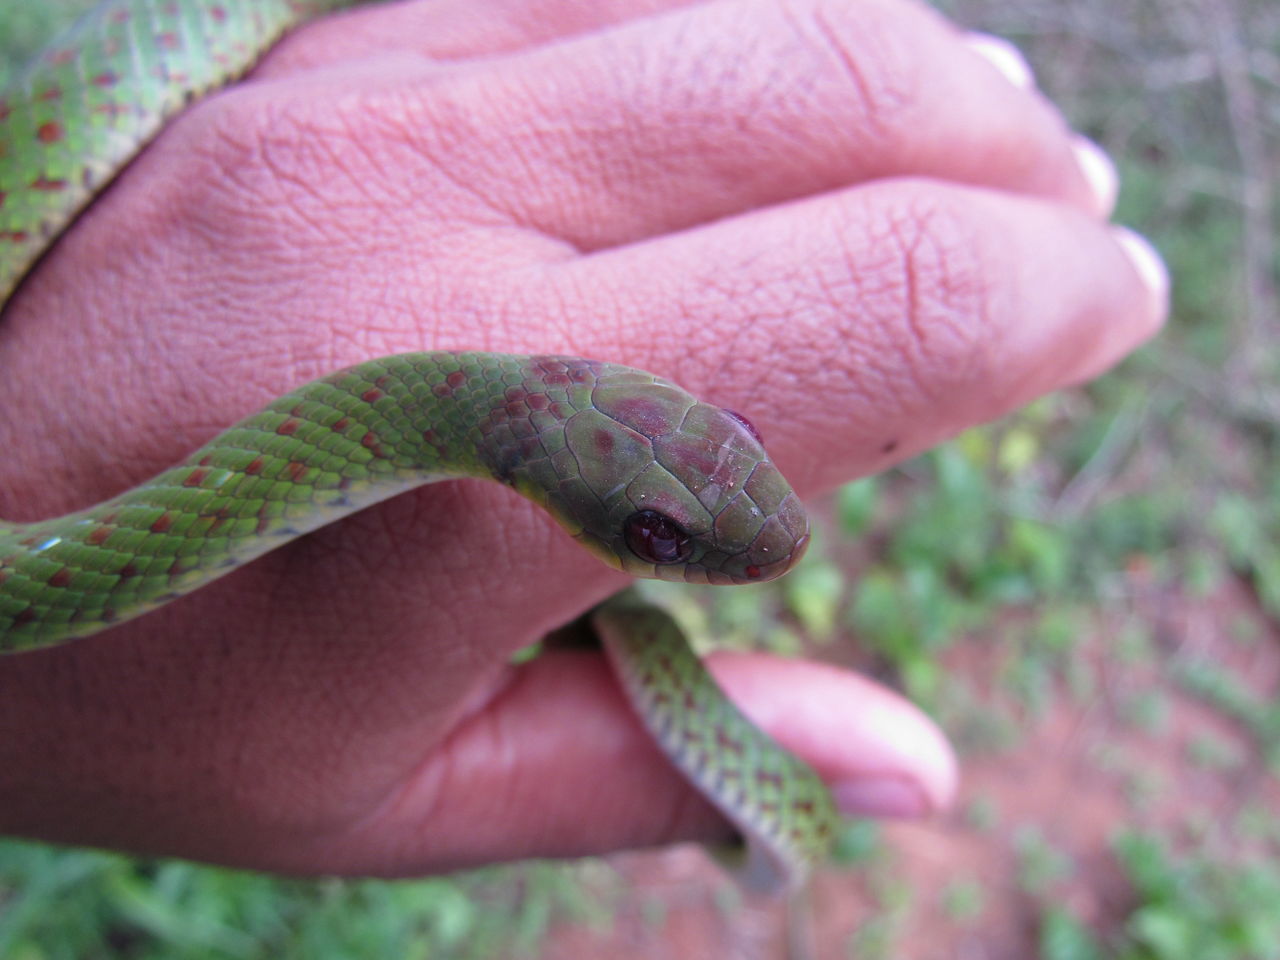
{"x": 834, "y": 302}
{"x": 773, "y": 101}
{"x": 584, "y": 293}
{"x": 423, "y": 792}
{"x": 222, "y": 135}
{"x": 717, "y": 293}
{"x": 383, "y": 117}
{"x": 780, "y": 329}
{"x": 407, "y": 524}
{"x": 481, "y": 739}
{"x": 705, "y": 360}
{"x": 444, "y": 131}
{"x": 948, "y": 345}
{"x": 711, "y": 369}
{"x": 330, "y": 699}
{"x": 884, "y": 296}
{"x": 486, "y": 318}
{"x": 513, "y": 762}
{"x": 254, "y": 135}
{"x": 277, "y": 170}
{"x": 270, "y": 161}
{"x": 538, "y": 139}
{"x": 426, "y": 784}
{"x": 869, "y": 120}
{"x": 561, "y": 200}
{"x": 538, "y": 136}
{"x": 668, "y": 813}
{"x": 545, "y": 283}
{"x": 469, "y": 31}
{"x": 561, "y": 197}
{"x": 722, "y": 104}
{"x": 638, "y": 87}
{"x": 912, "y": 311}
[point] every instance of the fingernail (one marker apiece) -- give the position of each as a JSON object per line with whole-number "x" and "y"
{"x": 1005, "y": 57}
{"x": 1099, "y": 171}
{"x": 1149, "y": 266}
{"x": 880, "y": 796}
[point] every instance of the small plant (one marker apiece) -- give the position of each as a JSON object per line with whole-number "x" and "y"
{"x": 1198, "y": 907}
{"x": 1040, "y": 864}
{"x": 963, "y": 900}
{"x": 859, "y": 842}
{"x": 1063, "y": 937}
{"x": 59, "y": 903}
{"x": 982, "y": 814}
{"x": 1219, "y": 686}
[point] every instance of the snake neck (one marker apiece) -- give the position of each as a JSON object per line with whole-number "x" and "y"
{"x": 323, "y": 451}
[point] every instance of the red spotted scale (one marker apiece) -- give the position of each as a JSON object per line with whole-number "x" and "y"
{"x": 641, "y": 473}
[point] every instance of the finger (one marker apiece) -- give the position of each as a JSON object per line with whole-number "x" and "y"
{"x": 686, "y": 117}
{"x": 449, "y": 29}
{"x": 557, "y": 765}
{"x": 872, "y": 324}
{"x": 890, "y": 760}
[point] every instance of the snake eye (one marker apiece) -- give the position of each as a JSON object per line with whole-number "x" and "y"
{"x": 656, "y": 538}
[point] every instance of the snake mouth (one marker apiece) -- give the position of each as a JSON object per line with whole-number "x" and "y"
{"x": 776, "y": 547}
{"x": 771, "y": 570}
{"x": 798, "y": 551}
{"x": 754, "y": 566}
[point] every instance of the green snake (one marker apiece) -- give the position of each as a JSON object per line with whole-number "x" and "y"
{"x": 641, "y": 473}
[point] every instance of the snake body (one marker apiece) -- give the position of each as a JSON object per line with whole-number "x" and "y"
{"x": 641, "y": 473}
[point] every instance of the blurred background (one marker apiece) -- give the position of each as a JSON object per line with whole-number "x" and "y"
{"x": 1086, "y": 595}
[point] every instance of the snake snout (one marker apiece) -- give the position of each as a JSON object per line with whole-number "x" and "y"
{"x": 775, "y": 546}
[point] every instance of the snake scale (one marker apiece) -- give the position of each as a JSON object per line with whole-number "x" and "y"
{"x": 641, "y": 473}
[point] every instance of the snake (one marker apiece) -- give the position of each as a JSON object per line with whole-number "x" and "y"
{"x": 653, "y": 481}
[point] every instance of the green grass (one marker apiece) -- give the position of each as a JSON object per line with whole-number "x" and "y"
{"x": 81, "y": 905}
{"x": 1187, "y": 907}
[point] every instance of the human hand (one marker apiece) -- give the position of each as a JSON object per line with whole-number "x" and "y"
{"x": 840, "y": 220}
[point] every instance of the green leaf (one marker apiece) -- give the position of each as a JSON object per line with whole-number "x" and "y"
{"x": 1168, "y": 933}
{"x": 963, "y": 900}
{"x": 1062, "y": 937}
{"x": 813, "y": 593}
{"x": 1147, "y": 865}
{"x": 1018, "y": 450}
{"x": 1043, "y": 550}
{"x": 857, "y": 842}
{"x": 856, "y": 506}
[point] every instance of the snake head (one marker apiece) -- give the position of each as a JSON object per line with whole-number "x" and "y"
{"x": 662, "y": 485}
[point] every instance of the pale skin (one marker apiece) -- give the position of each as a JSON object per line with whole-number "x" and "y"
{"x": 838, "y": 219}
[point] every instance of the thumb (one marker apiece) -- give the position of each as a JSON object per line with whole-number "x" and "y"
{"x": 556, "y": 764}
